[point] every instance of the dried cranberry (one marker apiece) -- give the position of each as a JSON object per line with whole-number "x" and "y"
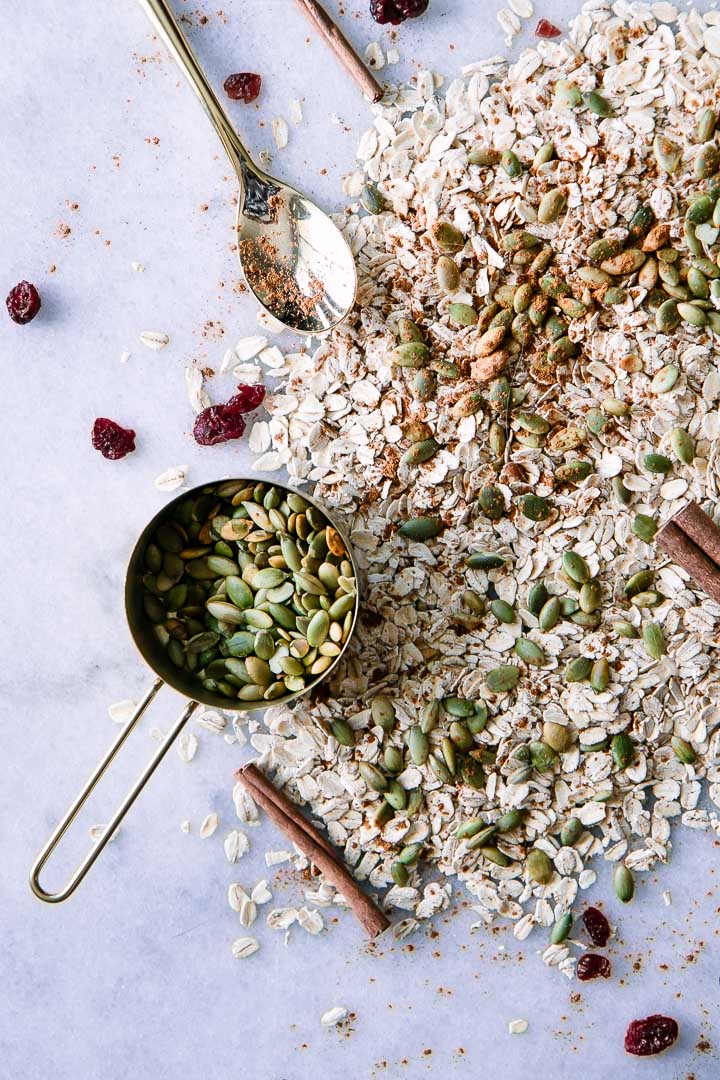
{"x": 218, "y": 424}
{"x": 247, "y": 397}
{"x": 396, "y": 11}
{"x": 545, "y": 29}
{"x": 592, "y": 966}
{"x": 23, "y": 302}
{"x": 597, "y": 926}
{"x": 243, "y": 86}
{"x": 111, "y": 440}
{"x": 651, "y": 1035}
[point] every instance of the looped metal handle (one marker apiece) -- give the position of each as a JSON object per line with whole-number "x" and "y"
{"x": 77, "y": 877}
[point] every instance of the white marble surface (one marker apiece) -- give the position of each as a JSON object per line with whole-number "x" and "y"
{"x": 133, "y": 977}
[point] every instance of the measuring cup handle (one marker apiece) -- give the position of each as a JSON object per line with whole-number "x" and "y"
{"x": 56, "y": 898}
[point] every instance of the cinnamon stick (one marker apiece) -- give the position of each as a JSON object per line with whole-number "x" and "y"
{"x": 315, "y": 847}
{"x": 701, "y": 529}
{"x": 254, "y": 779}
{"x": 342, "y": 48}
{"x": 686, "y": 553}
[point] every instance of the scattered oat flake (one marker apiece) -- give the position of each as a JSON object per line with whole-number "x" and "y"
{"x": 295, "y": 110}
{"x": 310, "y": 920}
{"x": 333, "y": 1016}
{"x": 261, "y": 893}
{"x": 209, "y": 825}
{"x": 187, "y": 746}
{"x": 185, "y": 826}
{"x": 172, "y": 479}
{"x": 138, "y": 267}
{"x": 124, "y": 357}
{"x": 275, "y": 858}
{"x": 517, "y": 1027}
{"x": 236, "y": 844}
{"x": 667, "y": 898}
{"x": 281, "y": 918}
{"x": 248, "y": 347}
{"x": 374, "y": 56}
{"x": 523, "y": 8}
{"x": 122, "y": 711}
{"x": 280, "y": 132}
{"x": 154, "y": 339}
{"x": 244, "y": 947}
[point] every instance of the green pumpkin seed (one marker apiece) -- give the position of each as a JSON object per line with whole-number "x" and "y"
{"x": 698, "y": 283}
{"x": 503, "y": 611}
{"x": 418, "y": 745}
{"x": 537, "y": 598}
{"x": 683, "y": 446}
{"x": 578, "y": 670}
{"x": 494, "y": 855}
{"x": 501, "y": 680}
{"x": 409, "y": 331}
{"x": 424, "y": 385}
{"x": 478, "y": 721}
{"x": 372, "y": 199}
{"x": 623, "y": 883}
{"x": 623, "y": 750}
{"x": 410, "y": 854}
{"x": 597, "y": 104}
{"x": 573, "y": 472}
{"x": 653, "y": 640}
{"x": 342, "y": 732}
{"x": 626, "y": 262}
{"x": 534, "y": 507}
{"x": 539, "y": 866}
{"x": 400, "y": 874}
{"x": 683, "y": 750}
{"x": 668, "y": 154}
{"x": 462, "y": 314}
{"x": 318, "y": 629}
{"x": 461, "y": 736}
{"x": 576, "y": 567}
{"x": 707, "y": 123}
{"x": 483, "y": 155}
{"x": 473, "y": 601}
{"x": 447, "y": 274}
{"x": 395, "y": 795}
{"x": 422, "y": 528}
{"x": 484, "y": 560}
{"x": 551, "y": 206}
{"x": 510, "y": 162}
{"x": 521, "y": 775}
{"x": 430, "y": 716}
{"x": 625, "y": 629}
{"x": 481, "y": 839}
{"x": 382, "y": 815}
{"x": 528, "y": 651}
{"x": 567, "y": 94}
{"x": 411, "y": 354}
{"x": 492, "y": 502}
{"x": 707, "y": 162}
{"x": 605, "y": 248}
{"x": 549, "y": 614}
{"x": 510, "y": 820}
{"x": 571, "y": 831}
{"x": 446, "y": 237}
{"x": 621, "y": 493}
{"x": 542, "y": 756}
{"x": 459, "y": 707}
{"x": 649, "y": 599}
{"x": 372, "y": 776}
{"x": 692, "y": 315}
{"x": 440, "y": 769}
{"x": 644, "y": 527}
{"x": 542, "y": 156}
{"x": 590, "y": 596}
{"x": 420, "y": 452}
{"x": 382, "y": 711}
{"x": 639, "y": 582}
{"x": 561, "y": 930}
{"x": 523, "y": 298}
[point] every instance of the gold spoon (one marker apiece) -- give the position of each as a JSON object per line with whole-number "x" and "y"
{"x": 295, "y": 260}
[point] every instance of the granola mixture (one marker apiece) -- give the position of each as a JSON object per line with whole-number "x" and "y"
{"x": 346, "y": 414}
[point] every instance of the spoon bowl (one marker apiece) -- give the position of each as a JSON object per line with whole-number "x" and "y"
{"x": 295, "y": 260}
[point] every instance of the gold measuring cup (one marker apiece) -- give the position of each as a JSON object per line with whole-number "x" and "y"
{"x": 155, "y": 656}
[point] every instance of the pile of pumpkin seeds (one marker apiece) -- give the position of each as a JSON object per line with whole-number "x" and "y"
{"x": 527, "y": 392}
{"x": 250, "y": 590}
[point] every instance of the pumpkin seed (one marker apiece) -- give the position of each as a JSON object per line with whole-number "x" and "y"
{"x": 707, "y": 161}
{"x": 534, "y": 507}
{"x": 509, "y": 821}
{"x": 528, "y": 651}
{"x": 501, "y": 680}
{"x": 542, "y": 756}
{"x": 597, "y": 104}
{"x": 481, "y": 838}
{"x": 551, "y": 206}
{"x": 430, "y": 716}
{"x": 539, "y": 866}
{"x": 625, "y": 629}
{"x": 440, "y": 769}
{"x": 411, "y": 354}
{"x": 707, "y": 123}
{"x": 400, "y": 874}
{"x": 510, "y": 162}
{"x": 668, "y": 154}
{"x": 575, "y": 567}
{"x": 549, "y": 614}
{"x": 692, "y": 315}
{"x": 494, "y": 855}
{"x": 647, "y": 599}
{"x": 578, "y": 670}
{"x": 484, "y": 560}
{"x": 372, "y": 199}
{"x": 683, "y": 446}
{"x": 447, "y": 274}
{"x": 571, "y": 831}
{"x": 411, "y": 853}
{"x": 470, "y": 828}
{"x": 653, "y": 640}
{"x": 372, "y": 776}
{"x": 567, "y": 94}
{"x": 503, "y": 611}
{"x": 342, "y": 732}
{"x": 395, "y": 795}
{"x": 461, "y": 736}
{"x": 561, "y": 930}
{"x": 557, "y": 736}
{"x": 683, "y": 750}
{"x": 484, "y": 155}
{"x": 623, "y": 883}
{"x": 623, "y": 750}
{"x": 621, "y": 493}
{"x": 422, "y": 528}
{"x": 418, "y": 745}
{"x": 590, "y": 596}
{"x": 543, "y": 155}
{"x": 382, "y": 712}
{"x": 420, "y": 452}
{"x": 644, "y": 527}
{"x": 492, "y": 501}
{"x": 446, "y": 237}
{"x": 537, "y": 598}
{"x": 573, "y": 472}
{"x": 462, "y": 314}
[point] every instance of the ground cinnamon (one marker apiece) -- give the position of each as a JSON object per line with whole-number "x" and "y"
{"x": 692, "y": 539}
{"x": 312, "y": 844}
{"x": 342, "y": 48}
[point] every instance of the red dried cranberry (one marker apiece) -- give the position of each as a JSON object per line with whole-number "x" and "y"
{"x": 651, "y": 1035}
{"x": 592, "y": 966}
{"x": 545, "y": 29}
{"x": 597, "y": 926}
{"x": 23, "y": 302}
{"x": 111, "y": 440}
{"x": 243, "y": 86}
{"x": 247, "y": 398}
{"x": 217, "y": 424}
{"x": 396, "y": 11}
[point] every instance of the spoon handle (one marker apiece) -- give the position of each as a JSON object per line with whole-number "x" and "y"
{"x": 159, "y": 13}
